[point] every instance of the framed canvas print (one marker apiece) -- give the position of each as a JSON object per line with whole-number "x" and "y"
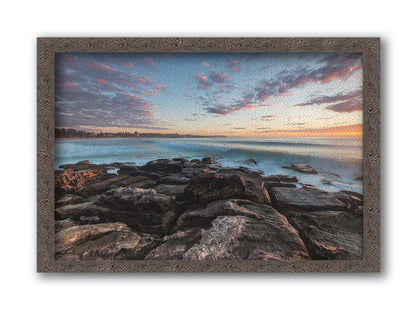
{"x": 208, "y": 155}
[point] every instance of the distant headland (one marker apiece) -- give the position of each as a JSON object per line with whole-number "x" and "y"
{"x": 69, "y": 133}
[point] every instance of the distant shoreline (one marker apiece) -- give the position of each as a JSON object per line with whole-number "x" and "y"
{"x": 139, "y": 138}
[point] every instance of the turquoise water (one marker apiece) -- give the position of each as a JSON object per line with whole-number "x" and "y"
{"x": 342, "y": 156}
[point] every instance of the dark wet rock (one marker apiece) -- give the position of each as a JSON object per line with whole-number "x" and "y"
{"x": 86, "y": 209}
{"x": 359, "y": 210}
{"x": 207, "y": 160}
{"x": 239, "y": 237}
{"x": 115, "y": 182}
{"x": 269, "y": 184}
{"x": 313, "y": 187}
{"x": 129, "y": 170}
{"x": 300, "y": 199}
{"x": 90, "y": 220}
{"x": 105, "y": 241}
{"x": 359, "y": 178}
{"x": 195, "y": 161}
{"x": 249, "y": 161}
{"x": 281, "y": 178}
{"x": 170, "y": 189}
{"x": 162, "y": 165}
{"x": 326, "y": 181}
{"x": 144, "y": 210}
{"x": 64, "y": 224}
{"x": 174, "y": 246}
{"x": 83, "y": 165}
{"x": 180, "y": 160}
{"x": 173, "y": 179}
{"x": 303, "y": 168}
{"x": 194, "y": 171}
{"x": 354, "y": 194}
{"x": 249, "y": 170}
{"x": 330, "y": 235}
{"x": 68, "y": 199}
{"x": 225, "y": 184}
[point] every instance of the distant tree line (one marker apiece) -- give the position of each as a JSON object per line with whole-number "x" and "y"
{"x": 73, "y": 133}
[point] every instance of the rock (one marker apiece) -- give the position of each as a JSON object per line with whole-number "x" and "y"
{"x": 359, "y": 178}
{"x": 303, "y": 168}
{"x": 128, "y": 170}
{"x": 231, "y": 229}
{"x": 249, "y": 161}
{"x": 207, "y": 160}
{"x": 312, "y": 187}
{"x": 86, "y": 209}
{"x": 64, "y": 224}
{"x": 326, "y": 181}
{"x": 359, "y": 210}
{"x": 330, "y": 235}
{"x": 115, "y": 182}
{"x": 351, "y": 201}
{"x": 68, "y": 199}
{"x": 162, "y": 165}
{"x": 70, "y": 181}
{"x": 249, "y": 170}
{"x": 83, "y": 165}
{"x": 169, "y": 189}
{"x": 226, "y": 184}
{"x": 173, "y": 179}
{"x": 180, "y": 160}
{"x": 269, "y": 184}
{"x": 89, "y": 220}
{"x": 280, "y": 178}
{"x": 174, "y": 246}
{"x": 105, "y": 241}
{"x": 354, "y": 194}
{"x": 192, "y": 172}
{"x": 144, "y": 210}
{"x": 239, "y": 237}
{"x": 300, "y": 199}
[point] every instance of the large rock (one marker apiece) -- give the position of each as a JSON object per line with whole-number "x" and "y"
{"x": 303, "y": 168}
{"x": 280, "y": 178}
{"x": 169, "y": 189}
{"x": 86, "y": 209}
{"x": 232, "y": 229}
{"x": 144, "y": 210}
{"x": 105, "y": 241}
{"x": 238, "y": 237}
{"x": 115, "y": 182}
{"x": 300, "y": 199}
{"x": 226, "y": 183}
{"x": 178, "y": 179}
{"x": 68, "y": 181}
{"x": 330, "y": 235}
{"x": 83, "y": 165}
{"x": 163, "y": 165}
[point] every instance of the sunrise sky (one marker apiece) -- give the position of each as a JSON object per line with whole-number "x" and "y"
{"x": 233, "y": 94}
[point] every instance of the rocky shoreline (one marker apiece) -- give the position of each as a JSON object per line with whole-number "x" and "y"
{"x": 198, "y": 210}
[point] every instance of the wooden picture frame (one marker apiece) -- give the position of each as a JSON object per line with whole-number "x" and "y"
{"x": 46, "y": 49}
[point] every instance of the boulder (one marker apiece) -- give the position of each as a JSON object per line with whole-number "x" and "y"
{"x": 239, "y": 237}
{"x": 86, "y": 209}
{"x": 71, "y": 181}
{"x": 326, "y": 181}
{"x": 180, "y": 160}
{"x": 128, "y": 170}
{"x": 105, "y": 241}
{"x": 162, "y": 165}
{"x": 249, "y": 161}
{"x": 300, "y": 199}
{"x": 281, "y": 178}
{"x": 232, "y": 229}
{"x": 83, "y": 165}
{"x": 144, "y": 210}
{"x": 173, "y": 179}
{"x": 169, "y": 189}
{"x": 330, "y": 235}
{"x": 352, "y": 202}
{"x": 174, "y": 246}
{"x": 270, "y": 184}
{"x": 303, "y": 168}
{"x": 68, "y": 199}
{"x": 207, "y": 160}
{"x": 115, "y": 182}
{"x": 191, "y": 172}
{"x": 225, "y": 184}
{"x": 64, "y": 224}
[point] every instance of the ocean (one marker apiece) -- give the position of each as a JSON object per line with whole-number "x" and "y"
{"x": 329, "y": 156}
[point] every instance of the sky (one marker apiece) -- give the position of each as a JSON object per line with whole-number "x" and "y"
{"x": 232, "y": 94}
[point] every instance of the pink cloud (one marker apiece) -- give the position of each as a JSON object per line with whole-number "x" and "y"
{"x": 99, "y": 67}
{"x": 145, "y": 80}
{"x": 205, "y": 64}
{"x": 149, "y": 60}
{"x": 234, "y": 65}
{"x": 161, "y": 87}
{"x": 101, "y": 81}
{"x": 227, "y": 87}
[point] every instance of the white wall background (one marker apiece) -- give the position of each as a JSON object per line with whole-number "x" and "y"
{"x": 23, "y": 289}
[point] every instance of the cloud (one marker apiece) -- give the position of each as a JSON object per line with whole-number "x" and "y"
{"x": 203, "y": 82}
{"x": 266, "y": 118}
{"x": 234, "y": 65}
{"x": 206, "y": 64}
{"x": 227, "y": 87}
{"x": 218, "y": 77}
{"x": 340, "y": 102}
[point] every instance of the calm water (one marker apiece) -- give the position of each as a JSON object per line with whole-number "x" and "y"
{"x": 342, "y": 156}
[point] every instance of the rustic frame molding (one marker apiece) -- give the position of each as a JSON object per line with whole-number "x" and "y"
{"x": 46, "y": 49}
